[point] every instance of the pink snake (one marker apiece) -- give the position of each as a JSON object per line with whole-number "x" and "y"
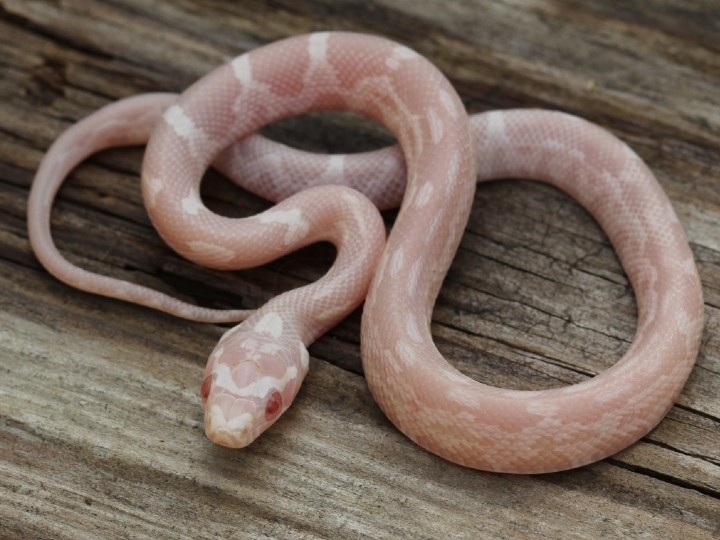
{"x": 257, "y": 367}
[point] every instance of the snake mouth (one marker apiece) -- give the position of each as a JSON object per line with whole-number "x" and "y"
{"x": 226, "y": 438}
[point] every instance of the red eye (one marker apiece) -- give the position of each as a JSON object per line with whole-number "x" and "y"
{"x": 274, "y": 404}
{"x": 205, "y": 387}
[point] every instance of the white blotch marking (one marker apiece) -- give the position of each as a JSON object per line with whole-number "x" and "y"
{"x": 240, "y": 422}
{"x": 405, "y": 355}
{"x": 356, "y": 208}
{"x": 496, "y": 127}
{"x": 399, "y": 54}
{"x": 448, "y": 103}
{"x": 242, "y": 69}
{"x": 542, "y": 408}
{"x": 293, "y": 219}
{"x": 317, "y": 47}
{"x": 317, "y": 51}
{"x": 561, "y": 147}
{"x": 336, "y": 167}
{"x": 424, "y": 194}
{"x": 271, "y": 324}
{"x": 258, "y": 389}
{"x": 412, "y": 330}
{"x": 437, "y": 128}
{"x": 191, "y": 203}
{"x": 270, "y": 348}
{"x": 217, "y": 418}
{"x": 304, "y": 358}
{"x": 181, "y": 123}
{"x": 154, "y": 186}
{"x": 264, "y": 385}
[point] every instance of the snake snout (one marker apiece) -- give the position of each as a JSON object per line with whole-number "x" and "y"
{"x": 231, "y": 424}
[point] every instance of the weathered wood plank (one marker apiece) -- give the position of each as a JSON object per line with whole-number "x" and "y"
{"x": 131, "y": 421}
{"x": 100, "y": 425}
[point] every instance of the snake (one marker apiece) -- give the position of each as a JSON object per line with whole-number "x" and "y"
{"x": 256, "y": 369}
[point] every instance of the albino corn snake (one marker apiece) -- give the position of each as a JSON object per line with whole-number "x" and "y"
{"x": 256, "y": 369}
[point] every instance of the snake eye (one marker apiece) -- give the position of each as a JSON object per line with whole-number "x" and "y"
{"x": 273, "y": 405}
{"x": 205, "y": 387}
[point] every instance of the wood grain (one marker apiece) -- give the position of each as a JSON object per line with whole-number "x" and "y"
{"x": 100, "y": 422}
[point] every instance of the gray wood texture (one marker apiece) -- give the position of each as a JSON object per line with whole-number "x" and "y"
{"x": 100, "y": 421}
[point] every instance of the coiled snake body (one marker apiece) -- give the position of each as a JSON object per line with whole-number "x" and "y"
{"x": 256, "y": 369}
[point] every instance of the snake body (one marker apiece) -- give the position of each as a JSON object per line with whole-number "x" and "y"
{"x": 257, "y": 367}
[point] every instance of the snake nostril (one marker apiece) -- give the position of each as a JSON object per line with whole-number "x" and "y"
{"x": 205, "y": 387}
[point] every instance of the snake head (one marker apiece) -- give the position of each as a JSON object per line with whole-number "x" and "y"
{"x": 250, "y": 380}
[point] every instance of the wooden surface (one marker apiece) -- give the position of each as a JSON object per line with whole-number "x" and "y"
{"x": 100, "y": 421}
